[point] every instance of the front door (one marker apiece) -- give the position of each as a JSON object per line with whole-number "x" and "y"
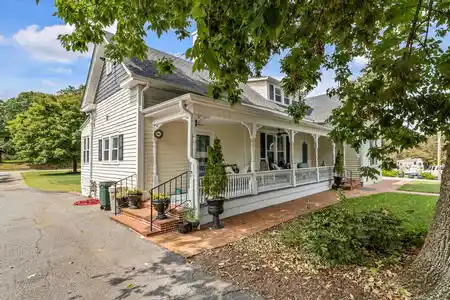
{"x": 203, "y": 141}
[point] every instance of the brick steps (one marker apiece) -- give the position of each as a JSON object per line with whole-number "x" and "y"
{"x": 139, "y": 220}
{"x": 353, "y": 184}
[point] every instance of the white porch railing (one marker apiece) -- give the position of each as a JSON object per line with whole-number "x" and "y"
{"x": 325, "y": 173}
{"x": 273, "y": 180}
{"x": 305, "y": 175}
{"x": 240, "y": 185}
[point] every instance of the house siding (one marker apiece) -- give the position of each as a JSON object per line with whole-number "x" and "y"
{"x": 260, "y": 87}
{"x": 85, "y": 166}
{"x": 352, "y": 161}
{"x": 116, "y": 115}
{"x": 109, "y": 84}
{"x": 325, "y": 151}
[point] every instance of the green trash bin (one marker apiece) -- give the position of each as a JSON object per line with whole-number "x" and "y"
{"x": 105, "y": 201}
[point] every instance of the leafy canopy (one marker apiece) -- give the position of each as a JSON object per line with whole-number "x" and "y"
{"x": 401, "y": 95}
{"x": 48, "y": 131}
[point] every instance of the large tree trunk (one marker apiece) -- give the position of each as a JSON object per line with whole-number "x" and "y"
{"x": 431, "y": 269}
{"x": 74, "y": 164}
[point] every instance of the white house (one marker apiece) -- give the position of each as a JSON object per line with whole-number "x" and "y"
{"x": 146, "y": 129}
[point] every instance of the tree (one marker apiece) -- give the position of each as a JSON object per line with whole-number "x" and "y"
{"x": 401, "y": 95}
{"x": 48, "y": 131}
{"x": 215, "y": 180}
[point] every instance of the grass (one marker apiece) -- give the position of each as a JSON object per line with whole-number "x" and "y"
{"x": 11, "y": 165}
{"x": 415, "y": 211}
{"x": 63, "y": 181}
{"x": 421, "y": 187}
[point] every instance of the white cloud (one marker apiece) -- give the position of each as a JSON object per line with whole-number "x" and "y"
{"x": 3, "y": 40}
{"x": 48, "y": 82}
{"x": 61, "y": 70}
{"x": 361, "y": 60}
{"x": 43, "y": 44}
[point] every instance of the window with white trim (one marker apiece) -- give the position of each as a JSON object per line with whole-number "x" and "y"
{"x": 86, "y": 148}
{"x": 106, "y": 149}
{"x": 278, "y": 95}
{"x": 110, "y": 149}
{"x": 271, "y": 92}
{"x": 114, "y": 148}
{"x": 287, "y": 101}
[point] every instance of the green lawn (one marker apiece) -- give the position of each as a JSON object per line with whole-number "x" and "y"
{"x": 63, "y": 181}
{"x": 415, "y": 211}
{"x": 425, "y": 187}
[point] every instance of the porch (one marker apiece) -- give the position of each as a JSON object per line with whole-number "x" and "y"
{"x": 268, "y": 157}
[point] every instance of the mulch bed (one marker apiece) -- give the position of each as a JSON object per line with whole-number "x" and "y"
{"x": 262, "y": 264}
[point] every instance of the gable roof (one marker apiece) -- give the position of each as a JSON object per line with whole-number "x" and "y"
{"x": 198, "y": 81}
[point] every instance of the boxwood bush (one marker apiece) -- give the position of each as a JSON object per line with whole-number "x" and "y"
{"x": 428, "y": 176}
{"x": 337, "y": 236}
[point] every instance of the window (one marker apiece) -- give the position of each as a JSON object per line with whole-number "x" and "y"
{"x": 278, "y": 95}
{"x": 115, "y": 148}
{"x": 86, "y": 147}
{"x": 271, "y": 92}
{"x": 109, "y": 66}
{"x": 287, "y": 101}
{"x": 203, "y": 142}
{"x": 106, "y": 149}
{"x": 100, "y": 152}
{"x": 304, "y": 153}
{"x": 274, "y": 149}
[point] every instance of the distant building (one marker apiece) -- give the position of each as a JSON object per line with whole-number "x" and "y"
{"x": 410, "y": 163}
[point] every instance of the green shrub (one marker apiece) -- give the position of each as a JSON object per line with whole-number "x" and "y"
{"x": 428, "y": 176}
{"x": 337, "y": 236}
{"x": 389, "y": 173}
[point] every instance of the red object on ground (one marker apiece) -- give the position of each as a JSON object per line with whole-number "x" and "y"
{"x": 90, "y": 201}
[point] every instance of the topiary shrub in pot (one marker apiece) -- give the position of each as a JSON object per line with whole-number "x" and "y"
{"x": 190, "y": 221}
{"x": 122, "y": 197}
{"x": 134, "y": 198}
{"x": 161, "y": 203}
{"x": 215, "y": 182}
{"x": 338, "y": 170}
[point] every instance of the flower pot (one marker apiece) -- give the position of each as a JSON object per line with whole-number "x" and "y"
{"x": 134, "y": 200}
{"x": 184, "y": 227}
{"x": 337, "y": 181}
{"x": 215, "y": 208}
{"x": 194, "y": 224}
{"x": 122, "y": 202}
{"x": 161, "y": 205}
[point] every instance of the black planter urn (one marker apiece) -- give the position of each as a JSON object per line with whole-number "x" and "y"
{"x": 161, "y": 205}
{"x": 184, "y": 227}
{"x": 337, "y": 181}
{"x": 133, "y": 201}
{"x": 215, "y": 208}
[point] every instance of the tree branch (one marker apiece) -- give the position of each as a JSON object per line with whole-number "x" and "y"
{"x": 412, "y": 31}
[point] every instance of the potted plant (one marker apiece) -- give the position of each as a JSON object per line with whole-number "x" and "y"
{"x": 122, "y": 197}
{"x": 191, "y": 217}
{"x": 338, "y": 169}
{"x": 160, "y": 203}
{"x": 184, "y": 227}
{"x": 215, "y": 182}
{"x": 134, "y": 198}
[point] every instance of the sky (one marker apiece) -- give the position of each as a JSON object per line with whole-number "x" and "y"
{"x": 32, "y": 59}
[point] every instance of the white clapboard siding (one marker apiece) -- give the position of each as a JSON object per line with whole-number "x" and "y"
{"x": 116, "y": 115}
{"x": 260, "y": 87}
{"x": 352, "y": 161}
{"x": 85, "y": 166}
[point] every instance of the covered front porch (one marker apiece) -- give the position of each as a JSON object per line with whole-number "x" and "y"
{"x": 269, "y": 158}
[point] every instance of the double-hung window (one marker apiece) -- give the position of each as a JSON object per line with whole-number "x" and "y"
{"x": 271, "y": 92}
{"x": 287, "y": 101}
{"x": 110, "y": 149}
{"x": 278, "y": 95}
{"x": 86, "y": 148}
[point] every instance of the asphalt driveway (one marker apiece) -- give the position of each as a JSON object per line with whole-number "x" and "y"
{"x": 51, "y": 249}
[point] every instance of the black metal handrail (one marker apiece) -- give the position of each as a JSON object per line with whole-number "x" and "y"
{"x": 123, "y": 186}
{"x": 175, "y": 189}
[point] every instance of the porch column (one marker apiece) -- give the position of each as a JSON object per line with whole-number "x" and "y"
{"x": 334, "y": 152}
{"x": 344, "y": 147}
{"x": 155, "y": 180}
{"x": 316, "y": 148}
{"x": 252, "y": 131}
{"x": 293, "y": 164}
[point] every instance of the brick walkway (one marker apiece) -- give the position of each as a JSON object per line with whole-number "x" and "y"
{"x": 238, "y": 227}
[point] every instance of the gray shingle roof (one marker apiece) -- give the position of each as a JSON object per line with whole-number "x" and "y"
{"x": 198, "y": 82}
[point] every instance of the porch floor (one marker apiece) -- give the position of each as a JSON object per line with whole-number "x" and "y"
{"x": 240, "y": 226}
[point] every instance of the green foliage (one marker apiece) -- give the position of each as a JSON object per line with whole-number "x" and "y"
{"x": 135, "y": 192}
{"x": 389, "y": 173}
{"x": 215, "y": 180}
{"x": 160, "y": 196}
{"x": 337, "y": 236}
{"x": 297, "y": 110}
{"x": 339, "y": 164}
{"x": 369, "y": 172}
{"x": 190, "y": 215}
{"x": 428, "y": 176}
{"x": 48, "y": 131}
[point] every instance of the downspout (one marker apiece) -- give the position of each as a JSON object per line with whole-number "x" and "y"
{"x": 140, "y": 139}
{"x": 192, "y": 161}
{"x": 91, "y": 148}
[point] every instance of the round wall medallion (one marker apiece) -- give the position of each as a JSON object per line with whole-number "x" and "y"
{"x": 158, "y": 133}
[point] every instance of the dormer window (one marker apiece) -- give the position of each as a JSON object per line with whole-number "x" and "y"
{"x": 271, "y": 92}
{"x": 287, "y": 101}
{"x": 278, "y": 95}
